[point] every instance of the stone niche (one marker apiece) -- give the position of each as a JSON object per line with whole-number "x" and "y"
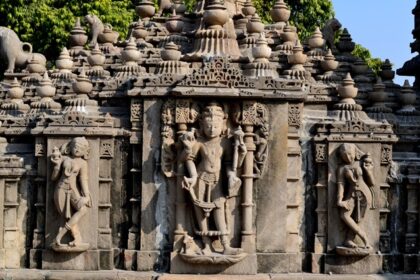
{"x": 75, "y": 232}
{"x": 353, "y": 207}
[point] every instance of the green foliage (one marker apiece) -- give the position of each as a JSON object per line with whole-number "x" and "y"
{"x": 373, "y": 62}
{"x": 47, "y": 23}
{"x": 306, "y": 14}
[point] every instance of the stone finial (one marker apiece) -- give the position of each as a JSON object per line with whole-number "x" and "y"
{"x": 171, "y": 52}
{"x": 179, "y": 7}
{"x": 82, "y": 85}
{"x": 261, "y": 66}
{"x": 298, "y": 58}
{"x": 386, "y": 72}
{"x": 280, "y": 12}
{"x": 139, "y": 31}
{"x": 407, "y": 98}
{"x": 130, "y": 54}
{"x": 46, "y": 91}
{"x": 378, "y": 96}
{"x": 96, "y": 57}
{"x": 45, "y": 88}
{"x": 15, "y": 103}
{"x": 146, "y": 9}
{"x": 35, "y": 66}
{"x": 15, "y": 91}
{"x": 289, "y": 37}
{"x": 78, "y": 37}
{"x": 347, "y": 91}
{"x": 96, "y": 60}
{"x": 329, "y": 63}
{"x": 215, "y": 14}
{"x": 249, "y": 10}
{"x": 261, "y": 52}
{"x": 80, "y": 102}
{"x": 64, "y": 63}
{"x": 346, "y": 44}
{"x": 255, "y": 25}
{"x": 316, "y": 41}
{"x": 174, "y": 24}
{"x": 171, "y": 63}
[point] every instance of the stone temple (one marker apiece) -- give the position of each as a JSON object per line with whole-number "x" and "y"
{"x": 206, "y": 143}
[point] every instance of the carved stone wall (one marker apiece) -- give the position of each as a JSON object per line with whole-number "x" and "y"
{"x": 207, "y": 145}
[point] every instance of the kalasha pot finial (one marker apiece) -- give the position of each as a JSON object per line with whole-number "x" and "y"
{"x": 215, "y": 14}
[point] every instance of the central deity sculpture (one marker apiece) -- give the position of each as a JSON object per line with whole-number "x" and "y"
{"x": 205, "y": 157}
{"x": 355, "y": 182}
{"x": 71, "y": 195}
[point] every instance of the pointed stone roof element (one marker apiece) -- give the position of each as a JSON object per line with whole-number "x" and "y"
{"x": 46, "y": 91}
{"x": 130, "y": 54}
{"x": 261, "y": 65}
{"x": 14, "y": 105}
{"x": 316, "y": 41}
{"x": 386, "y": 73}
{"x": 77, "y": 38}
{"x": 171, "y": 63}
{"x": 64, "y": 63}
{"x": 329, "y": 64}
{"x": 297, "y": 59}
{"x": 289, "y": 37}
{"x": 346, "y": 44}
{"x": 80, "y": 102}
{"x": 407, "y": 99}
{"x": 96, "y": 60}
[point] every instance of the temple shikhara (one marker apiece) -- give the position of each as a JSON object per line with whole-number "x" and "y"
{"x": 206, "y": 142}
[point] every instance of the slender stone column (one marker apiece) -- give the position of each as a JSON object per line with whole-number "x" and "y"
{"x": 248, "y": 242}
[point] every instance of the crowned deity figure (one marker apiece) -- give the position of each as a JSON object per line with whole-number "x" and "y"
{"x": 205, "y": 157}
{"x": 71, "y": 194}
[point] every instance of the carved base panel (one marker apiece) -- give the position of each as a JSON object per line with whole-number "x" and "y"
{"x": 246, "y": 266}
{"x": 279, "y": 262}
{"x": 10, "y": 258}
{"x": 147, "y": 260}
{"x": 89, "y": 260}
{"x": 336, "y": 264}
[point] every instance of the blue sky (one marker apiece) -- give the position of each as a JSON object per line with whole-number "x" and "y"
{"x": 382, "y": 26}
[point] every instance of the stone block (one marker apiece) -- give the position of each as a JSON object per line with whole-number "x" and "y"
{"x": 88, "y": 260}
{"x": 337, "y": 264}
{"x": 279, "y": 262}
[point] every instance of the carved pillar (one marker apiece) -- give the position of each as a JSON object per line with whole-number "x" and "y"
{"x": 321, "y": 159}
{"x": 133, "y": 243}
{"x": 38, "y": 241}
{"x": 248, "y": 234}
{"x": 11, "y": 245}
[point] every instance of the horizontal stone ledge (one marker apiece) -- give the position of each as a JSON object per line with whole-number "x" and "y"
{"x": 32, "y": 274}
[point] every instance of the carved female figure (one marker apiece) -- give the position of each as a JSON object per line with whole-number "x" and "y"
{"x": 205, "y": 158}
{"x": 354, "y": 192}
{"x": 71, "y": 195}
